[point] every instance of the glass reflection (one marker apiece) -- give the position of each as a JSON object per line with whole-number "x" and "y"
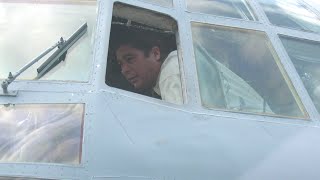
{"x": 166, "y": 3}
{"x": 291, "y": 14}
{"x": 305, "y": 56}
{"x": 239, "y": 71}
{"x": 29, "y": 28}
{"x": 50, "y": 133}
{"x": 229, "y": 8}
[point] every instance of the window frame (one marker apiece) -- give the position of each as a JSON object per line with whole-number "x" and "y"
{"x": 271, "y": 32}
{"x": 306, "y": 94}
{"x": 157, "y": 10}
{"x": 281, "y": 69}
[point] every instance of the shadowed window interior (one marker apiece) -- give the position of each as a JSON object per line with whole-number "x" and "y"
{"x": 158, "y": 30}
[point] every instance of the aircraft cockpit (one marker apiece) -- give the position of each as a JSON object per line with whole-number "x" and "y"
{"x": 240, "y": 79}
{"x": 236, "y": 93}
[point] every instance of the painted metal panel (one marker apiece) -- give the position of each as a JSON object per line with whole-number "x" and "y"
{"x": 130, "y": 135}
{"x": 165, "y": 3}
{"x": 20, "y": 178}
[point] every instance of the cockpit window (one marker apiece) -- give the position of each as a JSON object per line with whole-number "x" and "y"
{"x": 142, "y": 55}
{"x": 42, "y": 133}
{"x": 165, "y": 3}
{"x": 291, "y": 14}
{"x": 28, "y": 28}
{"x": 239, "y": 9}
{"x": 238, "y": 70}
{"x": 305, "y": 56}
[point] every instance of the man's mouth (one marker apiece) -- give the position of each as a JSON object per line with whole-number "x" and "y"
{"x": 133, "y": 79}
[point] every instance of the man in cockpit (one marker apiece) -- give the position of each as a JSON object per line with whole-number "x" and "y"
{"x": 147, "y": 66}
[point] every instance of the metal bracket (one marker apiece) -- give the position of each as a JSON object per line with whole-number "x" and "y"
{"x": 9, "y": 94}
{"x": 5, "y": 85}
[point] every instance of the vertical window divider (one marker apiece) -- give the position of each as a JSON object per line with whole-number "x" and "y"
{"x": 192, "y": 92}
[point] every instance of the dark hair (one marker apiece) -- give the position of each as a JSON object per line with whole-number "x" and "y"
{"x": 136, "y": 38}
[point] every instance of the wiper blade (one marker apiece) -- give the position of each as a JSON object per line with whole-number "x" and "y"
{"x": 60, "y": 54}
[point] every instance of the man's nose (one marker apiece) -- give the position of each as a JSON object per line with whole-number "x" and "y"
{"x": 125, "y": 68}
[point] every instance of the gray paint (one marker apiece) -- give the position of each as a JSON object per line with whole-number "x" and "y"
{"x": 130, "y": 136}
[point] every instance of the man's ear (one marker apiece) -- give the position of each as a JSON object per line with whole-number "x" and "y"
{"x": 155, "y": 51}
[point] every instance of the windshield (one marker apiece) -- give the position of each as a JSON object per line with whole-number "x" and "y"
{"x": 292, "y": 14}
{"x": 234, "y": 77}
{"x": 30, "y": 27}
{"x": 239, "y": 9}
{"x": 305, "y": 57}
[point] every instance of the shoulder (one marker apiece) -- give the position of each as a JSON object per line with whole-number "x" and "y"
{"x": 170, "y": 66}
{"x": 171, "y": 58}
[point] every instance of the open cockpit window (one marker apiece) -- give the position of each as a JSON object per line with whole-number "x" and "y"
{"x": 143, "y": 55}
{"x": 292, "y": 14}
{"x": 28, "y": 28}
{"x": 238, "y": 70}
{"x": 305, "y": 56}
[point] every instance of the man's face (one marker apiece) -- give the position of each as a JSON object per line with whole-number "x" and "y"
{"x": 140, "y": 70}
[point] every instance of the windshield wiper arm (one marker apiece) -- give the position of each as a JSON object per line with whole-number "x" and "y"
{"x": 58, "y": 56}
{"x": 61, "y": 53}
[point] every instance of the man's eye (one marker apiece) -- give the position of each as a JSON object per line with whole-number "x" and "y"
{"x": 130, "y": 59}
